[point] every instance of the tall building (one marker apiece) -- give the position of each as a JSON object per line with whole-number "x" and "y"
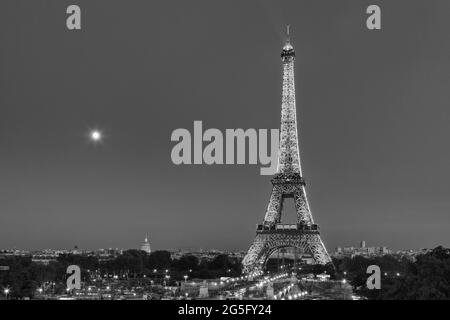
{"x": 145, "y": 246}
{"x": 288, "y": 183}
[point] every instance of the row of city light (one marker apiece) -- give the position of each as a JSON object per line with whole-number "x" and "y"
{"x": 154, "y": 271}
{"x": 268, "y": 280}
{"x": 283, "y": 291}
{"x": 246, "y": 277}
{"x": 255, "y": 274}
{"x": 295, "y": 296}
{"x": 249, "y": 276}
{"x": 397, "y": 273}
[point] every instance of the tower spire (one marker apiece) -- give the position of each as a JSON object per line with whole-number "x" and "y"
{"x": 288, "y": 49}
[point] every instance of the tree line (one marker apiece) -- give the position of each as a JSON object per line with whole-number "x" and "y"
{"x": 425, "y": 278}
{"x": 25, "y": 276}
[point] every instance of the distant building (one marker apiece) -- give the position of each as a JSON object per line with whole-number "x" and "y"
{"x": 205, "y": 254}
{"x": 43, "y": 258}
{"x": 411, "y": 254}
{"x": 14, "y": 252}
{"x": 362, "y": 250}
{"x": 75, "y": 250}
{"x": 145, "y": 246}
{"x": 107, "y": 254}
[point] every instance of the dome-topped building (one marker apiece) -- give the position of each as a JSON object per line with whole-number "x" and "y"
{"x": 145, "y": 246}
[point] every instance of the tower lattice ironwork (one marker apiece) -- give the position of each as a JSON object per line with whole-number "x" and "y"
{"x": 287, "y": 183}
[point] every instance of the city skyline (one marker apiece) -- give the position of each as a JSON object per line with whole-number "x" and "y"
{"x": 137, "y": 246}
{"x": 372, "y": 122}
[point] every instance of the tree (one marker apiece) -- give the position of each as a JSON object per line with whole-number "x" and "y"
{"x": 187, "y": 262}
{"x": 426, "y": 278}
{"x": 159, "y": 260}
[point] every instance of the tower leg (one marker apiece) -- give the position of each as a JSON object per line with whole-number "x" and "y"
{"x": 265, "y": 244}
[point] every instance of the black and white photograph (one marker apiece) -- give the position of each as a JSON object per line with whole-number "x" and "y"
{"x": 247, "y": 152}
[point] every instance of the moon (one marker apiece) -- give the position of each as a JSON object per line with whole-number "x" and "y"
{"x": 96, "y": 135}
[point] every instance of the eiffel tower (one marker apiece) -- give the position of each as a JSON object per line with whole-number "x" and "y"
{"x": 288, "y": 182}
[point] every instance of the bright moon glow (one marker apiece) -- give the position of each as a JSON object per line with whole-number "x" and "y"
{"x": 95, "y": 135}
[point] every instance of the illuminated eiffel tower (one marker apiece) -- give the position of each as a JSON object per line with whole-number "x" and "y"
{"x": 288, "y": 182}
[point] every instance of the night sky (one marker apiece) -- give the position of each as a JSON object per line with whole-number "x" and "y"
{"x": 373, "y": 110}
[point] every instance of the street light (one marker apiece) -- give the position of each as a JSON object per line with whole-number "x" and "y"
{"x": 6, "y": 292}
